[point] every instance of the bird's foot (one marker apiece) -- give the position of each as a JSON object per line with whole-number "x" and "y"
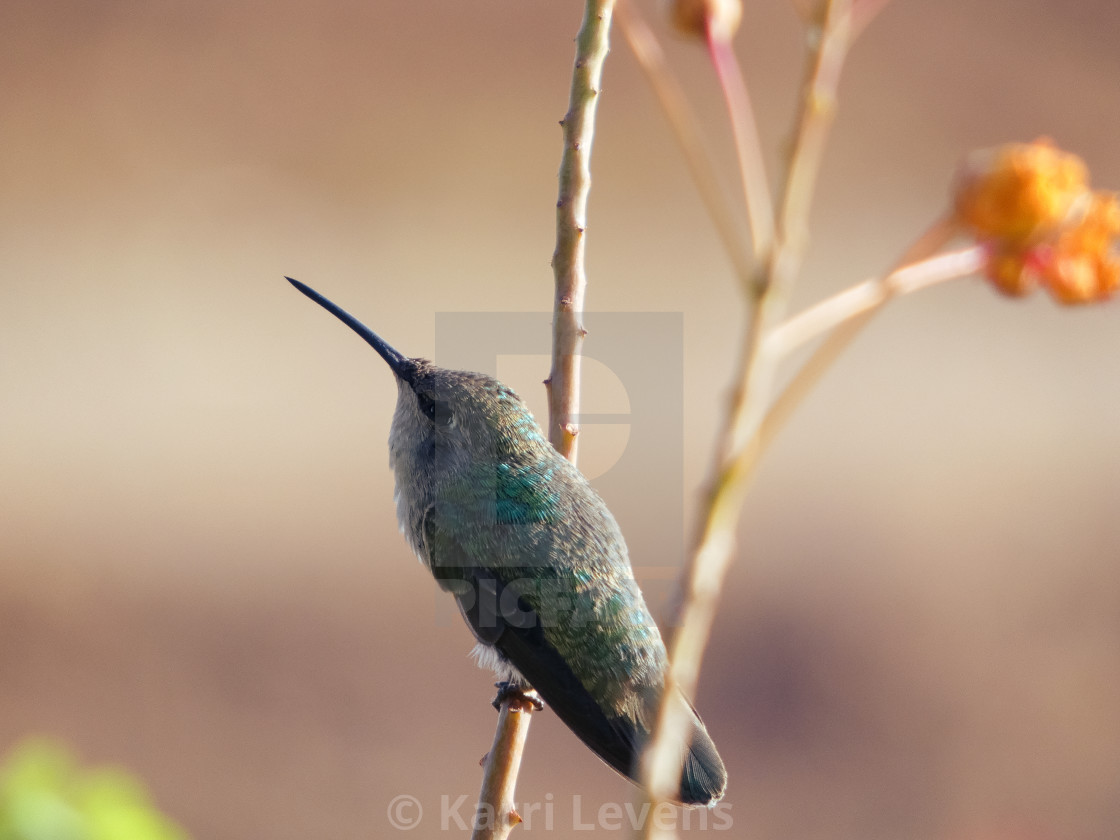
{"x": 518, "y": 694}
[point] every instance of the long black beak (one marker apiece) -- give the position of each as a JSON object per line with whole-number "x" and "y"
{"x": 401, "y": 365}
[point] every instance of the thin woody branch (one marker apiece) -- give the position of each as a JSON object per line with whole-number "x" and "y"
{"x": 496, "y": 815}
{"x": 687, "y": 128}
{"x": 739, "y": 442}
{"x": 592, "y": 46}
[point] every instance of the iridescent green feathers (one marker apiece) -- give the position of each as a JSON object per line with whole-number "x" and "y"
{"x": 539, "y": 567}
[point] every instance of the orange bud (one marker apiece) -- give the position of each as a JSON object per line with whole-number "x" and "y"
{"x": 1081, "y": 267}
{"x": 1010, "y": 273}
{"x": 1030, "y": 203}
{"x": 717, "y": 19}
{"x": 1019, "y": 192}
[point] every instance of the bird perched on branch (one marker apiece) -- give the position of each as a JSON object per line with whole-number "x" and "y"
{"x": 534, "y": 559}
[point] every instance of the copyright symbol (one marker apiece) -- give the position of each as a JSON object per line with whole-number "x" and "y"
{"x": 405, "y": 812}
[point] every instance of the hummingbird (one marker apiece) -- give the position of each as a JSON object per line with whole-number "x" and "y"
{"x": 534, "y": 559}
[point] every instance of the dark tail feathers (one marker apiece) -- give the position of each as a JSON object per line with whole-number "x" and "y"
{"x": 703, "y": 776}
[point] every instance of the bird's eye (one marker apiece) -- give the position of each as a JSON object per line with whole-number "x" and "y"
{"x": 438, "y": 411}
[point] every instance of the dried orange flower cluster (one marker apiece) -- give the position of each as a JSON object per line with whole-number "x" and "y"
{"x": 1031, "y": 204}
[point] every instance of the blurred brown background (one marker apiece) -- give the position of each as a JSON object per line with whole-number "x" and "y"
{"x": 200, "y": 574}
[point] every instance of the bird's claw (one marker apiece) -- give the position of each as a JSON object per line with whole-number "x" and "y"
{"x": 522, "y": 695}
